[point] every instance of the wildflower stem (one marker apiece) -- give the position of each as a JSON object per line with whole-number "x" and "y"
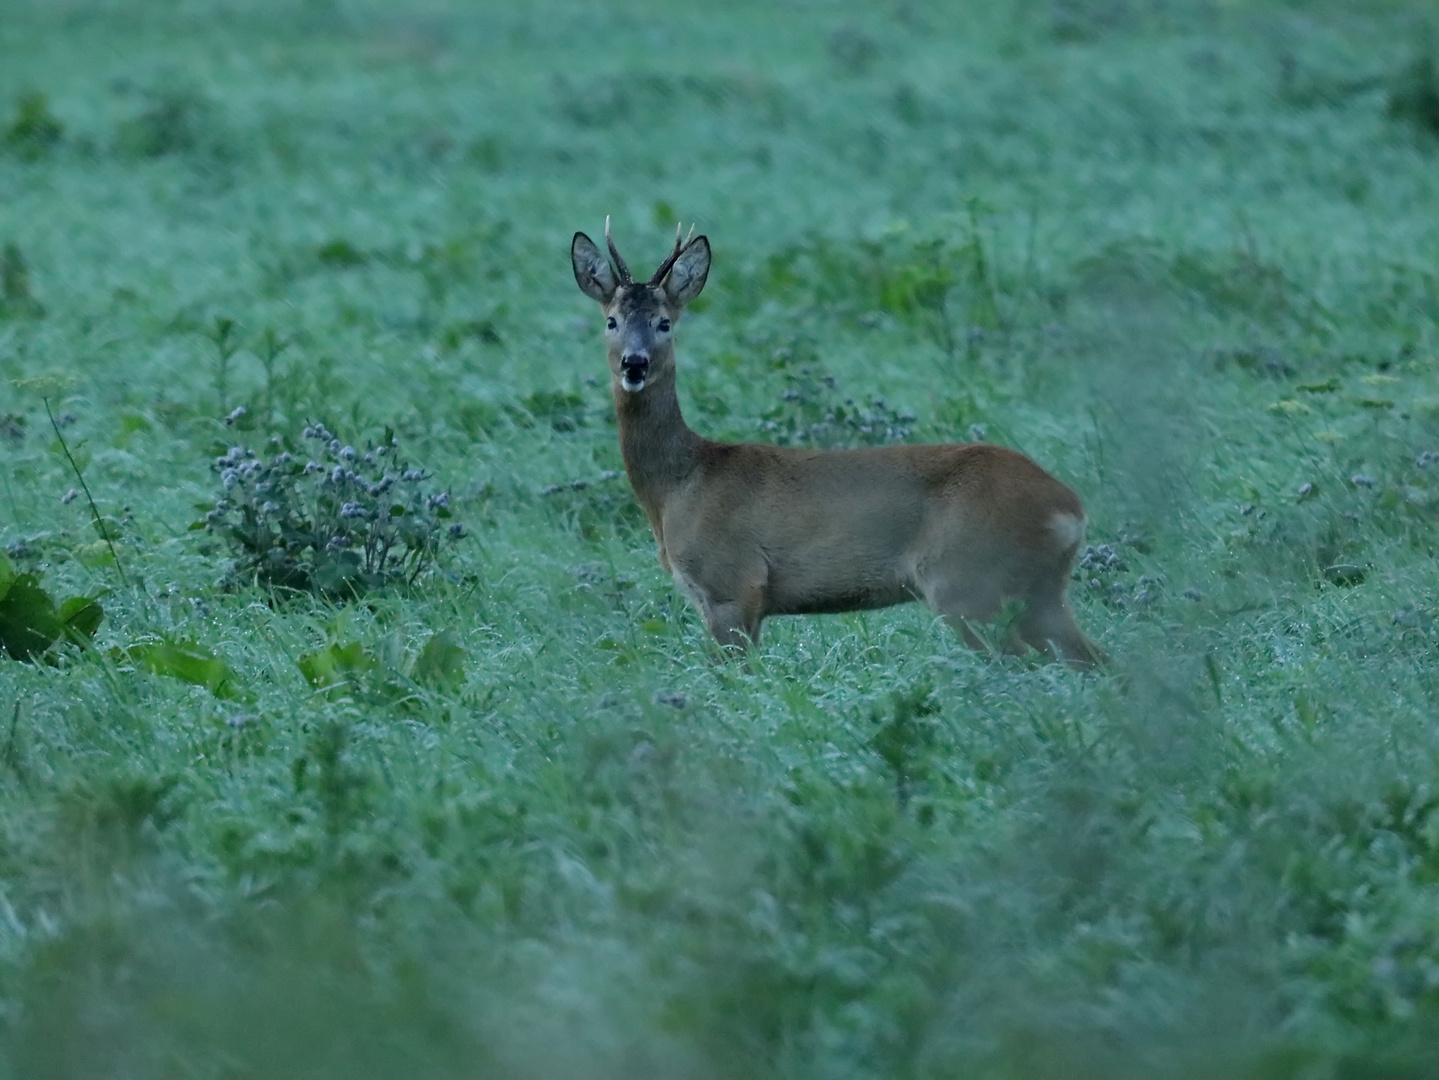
{"x": 94, "y": 510}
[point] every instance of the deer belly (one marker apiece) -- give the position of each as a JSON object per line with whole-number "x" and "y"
{"x": 847, "y": 552}
{"x": 860, "y": 598}
{"x": 834, "y": 580}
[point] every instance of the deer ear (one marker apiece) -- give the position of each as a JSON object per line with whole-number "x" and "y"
{"x": 592, "y": 270}
{"x": 687, "y": 277}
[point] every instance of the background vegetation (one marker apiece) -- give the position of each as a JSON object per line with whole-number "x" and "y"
{"x": 511, "y": 817}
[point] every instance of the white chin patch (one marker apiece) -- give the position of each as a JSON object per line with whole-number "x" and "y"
{"x": 632, "y": 385}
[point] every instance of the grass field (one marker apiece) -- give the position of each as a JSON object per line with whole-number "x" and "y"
{"x": 516, "y": 818}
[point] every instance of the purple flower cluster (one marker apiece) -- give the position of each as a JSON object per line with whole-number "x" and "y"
{"x": 334, "y": 521}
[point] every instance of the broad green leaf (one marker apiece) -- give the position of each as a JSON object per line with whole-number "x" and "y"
{"x": 77, "y": 452}
{"x": 330, "y": 666}
{"x": 131, "y": 422}
{"x": 441, "y": 662}
{"x": 333, "y": 574}
{"x": 108, "y": 527}
{"x": 82, "y": 616}
{"x": 7, "y": 574}
{"x": 95, "y": 554}
{"x": 189, "y": 662}
{"x": 29, "y": 623}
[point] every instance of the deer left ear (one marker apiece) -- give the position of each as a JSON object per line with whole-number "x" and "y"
{"x": 688, "y": 274}
{"x": 593, "y": 273}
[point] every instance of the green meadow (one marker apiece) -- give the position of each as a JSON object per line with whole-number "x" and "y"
{"x": 502, "y": 810}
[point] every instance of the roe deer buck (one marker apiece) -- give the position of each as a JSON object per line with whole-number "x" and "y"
{"x": 750, "y": 530}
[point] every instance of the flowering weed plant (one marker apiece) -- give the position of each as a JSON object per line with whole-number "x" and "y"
{"x": 335, "y": 522}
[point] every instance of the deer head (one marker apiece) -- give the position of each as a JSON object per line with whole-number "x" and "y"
{"x": 640, "y": 316}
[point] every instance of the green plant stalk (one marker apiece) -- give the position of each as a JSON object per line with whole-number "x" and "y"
{"x": 984, "y": 279}
{"x": 274, "y": 346}
{"x": 9, "y": 755}
{"x": 221, "y": 337}
{"x": 94, "y": 510}
{"x": 10, "y": 494}
{"x": 946, "y": 327}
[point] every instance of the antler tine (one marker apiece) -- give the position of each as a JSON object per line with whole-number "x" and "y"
{"x": 624, "y": 270}
{"x": 675, "y": 254}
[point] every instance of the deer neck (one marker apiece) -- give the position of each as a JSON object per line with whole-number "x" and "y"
{"x": 659, "y": 449}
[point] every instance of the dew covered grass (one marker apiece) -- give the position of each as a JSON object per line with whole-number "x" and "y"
{"x": 514, "y": 818}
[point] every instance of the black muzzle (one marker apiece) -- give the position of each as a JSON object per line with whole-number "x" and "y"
{"x": 633, "y": 370}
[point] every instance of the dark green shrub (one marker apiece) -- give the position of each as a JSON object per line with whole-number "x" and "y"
{"x": 35, "y": 130}
{"x": 16, "y": 300}
{"x": 1415, "y": 95}
{"x": 31, "y": 621}
{"x": 337, "y": 524}
{"x": 177, "y": 120}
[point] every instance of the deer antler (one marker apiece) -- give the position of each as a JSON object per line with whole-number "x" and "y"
{"x": 668, "y": 264}
{"x": 624, "y": 271}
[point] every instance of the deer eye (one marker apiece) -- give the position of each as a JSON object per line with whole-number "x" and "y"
{"x": 611, "y": 323}
{"x": 664, "y": 326}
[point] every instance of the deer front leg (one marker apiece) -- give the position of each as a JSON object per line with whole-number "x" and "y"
{"x": 735, "y": 623}
{"x": 733, "y": 615}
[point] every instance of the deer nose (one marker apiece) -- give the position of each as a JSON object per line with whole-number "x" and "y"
{"x": 633, "y": 368}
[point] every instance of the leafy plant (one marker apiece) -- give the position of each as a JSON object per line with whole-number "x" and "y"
{"x": 440, "y": 662}
{"x": 95, "y": 515}
{"x": 812, "y": 412}
{"x": 905, "y": 738}
{"x": 222, "y": 336}
{"x": 941, "y": 282}
{"x": 340, "y": 786}
{"x": 335, "y": 664}
{"x": 187, "y": 661}
{"x": 597, "y": 507}
{"x": 340, "y": 254}
{"x": 271, "y": 346}
{"x": 16, "y": 300}
{"x": 172, "y": 120}
{"x": 342, "y": 522}
{"x": 35, "y": 131}
{"x": 563, "y": 410}
{"x": 851, "y": 49}
{"x": 343, "y": 668}
{"x": 1415, "y": 95}
{"x": 31, "y": 621}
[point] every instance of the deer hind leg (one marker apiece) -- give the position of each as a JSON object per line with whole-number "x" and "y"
{"x": 962, "y": 605}
{"x": 1047, "y": 622}
{"x": 1048, "y": 625}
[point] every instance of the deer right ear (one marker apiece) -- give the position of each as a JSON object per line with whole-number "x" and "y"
{"x": 593, "y": 273}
